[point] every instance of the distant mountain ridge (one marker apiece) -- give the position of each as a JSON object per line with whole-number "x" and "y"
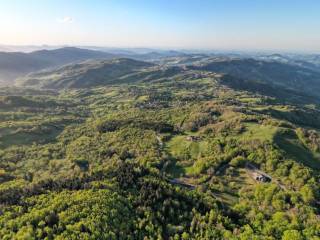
{"x": 311, "y": 62}
{"x": 14, "y": 64}
{"x": 18, "y": 64}
{"x": 72, "y": 67}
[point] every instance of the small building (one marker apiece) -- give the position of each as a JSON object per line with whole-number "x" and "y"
{"x": 260, "y": 177}
{"x": 193, "y": 138}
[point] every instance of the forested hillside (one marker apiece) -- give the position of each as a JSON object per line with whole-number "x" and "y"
{"x": 130, "y": 150}
{"x": 275, "y": 72}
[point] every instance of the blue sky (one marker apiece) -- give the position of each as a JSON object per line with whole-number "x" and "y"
{"x": 203, "y": 24}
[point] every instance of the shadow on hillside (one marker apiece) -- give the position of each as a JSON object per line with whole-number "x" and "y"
{"x": 282, "y": 94}
{"x": 289, "y": 142}
{"x": 22, "y": 138}
{"x": 174, "y": 169}
{"x": 309, "y": 118}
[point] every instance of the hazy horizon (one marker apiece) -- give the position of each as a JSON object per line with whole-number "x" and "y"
{"x": 31, "y": 48}
{"x": 228, "y": 25}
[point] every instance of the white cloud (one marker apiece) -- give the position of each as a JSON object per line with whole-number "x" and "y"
{"x": 66, "y": 19}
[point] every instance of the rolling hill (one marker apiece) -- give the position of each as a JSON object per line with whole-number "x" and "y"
{"x": 16, "y": 64}
{"x": 177, "y": 154}
{"x": 279, "y": 74}
{"x": 86, "y": 74}
{"x": 202, "y": 148}
{"x": 266, "y": 77}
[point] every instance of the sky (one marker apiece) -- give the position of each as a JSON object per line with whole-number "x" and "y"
{"x": 175, "y": 24}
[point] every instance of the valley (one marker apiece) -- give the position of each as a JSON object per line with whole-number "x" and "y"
{"x": 173, "y": 149}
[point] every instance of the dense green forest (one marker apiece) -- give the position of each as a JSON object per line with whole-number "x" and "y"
{"x": 186, "y": 156}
